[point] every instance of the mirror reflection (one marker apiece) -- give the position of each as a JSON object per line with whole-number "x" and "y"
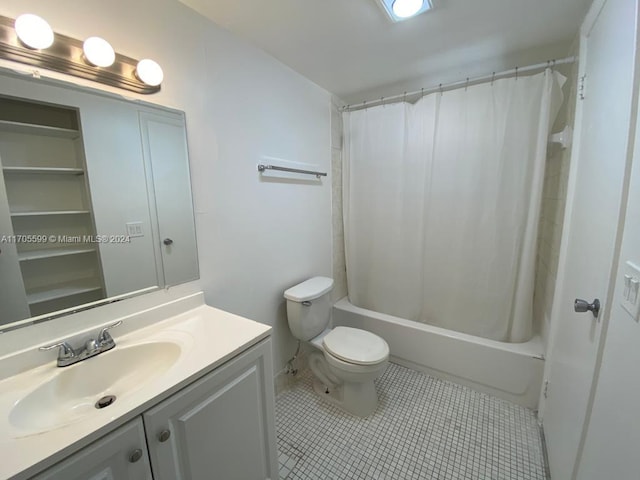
{"x": 93, "y": 198}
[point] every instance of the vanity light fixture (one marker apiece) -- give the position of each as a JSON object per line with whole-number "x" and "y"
{"x": 149, "y": 72}
{"x": 98, "y": 52}
{"x": 34, "y": 31}
{"x": 399, "y": 10}
{"x": 30, "y": 40}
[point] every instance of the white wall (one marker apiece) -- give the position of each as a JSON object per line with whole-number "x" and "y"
{"x": 255, "y": 238}
{"x": 456, "y": 70}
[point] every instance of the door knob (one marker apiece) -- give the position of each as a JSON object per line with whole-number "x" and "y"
{"x": 581, "y": 306}
{"x": 167, "y": 241}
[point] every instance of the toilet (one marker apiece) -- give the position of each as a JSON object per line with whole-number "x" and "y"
{"x": 345, "y": 361}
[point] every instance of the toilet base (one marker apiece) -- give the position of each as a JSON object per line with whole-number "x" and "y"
{"x": 359, "y": 399}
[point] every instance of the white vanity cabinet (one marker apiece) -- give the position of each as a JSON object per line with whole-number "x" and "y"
{"x": 120, "y": 455}
{"x": 222, "y": 426}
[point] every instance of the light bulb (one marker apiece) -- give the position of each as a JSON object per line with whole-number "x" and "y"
{"x": 149, "y": 72}
{"x": 34, "y": 31}
{"x": 98, "y": 52}
{"x": 406, "y": 8}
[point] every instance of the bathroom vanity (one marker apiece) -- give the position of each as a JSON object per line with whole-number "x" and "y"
{"x": 193, "y": 394}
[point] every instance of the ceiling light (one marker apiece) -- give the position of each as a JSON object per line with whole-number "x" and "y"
{"x": 98, "y": 52}
{"x": 149, "y": 72}
{"x": 34, "y": 31}
{"x": 399, "y": 10}
{"x": 406, "y": 8}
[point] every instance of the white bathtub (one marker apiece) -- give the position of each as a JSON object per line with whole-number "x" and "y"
{"x": 512, "y": 371}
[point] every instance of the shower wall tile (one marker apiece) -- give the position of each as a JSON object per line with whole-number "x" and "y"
{"x": 339, "y": 264}
{"x": 552, "y": 212}
{"x": 336, "y": 124}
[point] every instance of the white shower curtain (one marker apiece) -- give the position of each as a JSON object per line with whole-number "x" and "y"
{"x": 442, "y": 201}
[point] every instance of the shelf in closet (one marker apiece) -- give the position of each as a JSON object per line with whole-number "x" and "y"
{"x": 44, "y": 170}
{"x": 44, "y": 130}
{"x": 60, "y": 290}
{"x": 47, "y": 213}
{"x": 53, "y": 252}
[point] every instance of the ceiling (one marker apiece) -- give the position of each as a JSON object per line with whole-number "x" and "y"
{"x": 350, "y": 48}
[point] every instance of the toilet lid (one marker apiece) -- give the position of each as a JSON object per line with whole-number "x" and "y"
{"x": 356, "y": 346}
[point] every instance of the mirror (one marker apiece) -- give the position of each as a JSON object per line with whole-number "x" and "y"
{"x": 95, "y": 199}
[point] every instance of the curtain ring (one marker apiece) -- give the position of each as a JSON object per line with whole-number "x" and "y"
{"x": 493, "y": 77}
{"x": 516, "y": 73}
{"x": 422, "y": 92}
{"x": 466, "y": 85}
{"x": 404, "y": 97}
{"x": 364, "y": 104}
{"x": 440, "y": 89}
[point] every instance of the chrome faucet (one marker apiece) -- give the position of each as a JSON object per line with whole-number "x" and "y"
{"x": 92, "y": 347}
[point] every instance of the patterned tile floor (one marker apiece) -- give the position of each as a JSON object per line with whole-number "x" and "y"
{"x": 424, "y": 428}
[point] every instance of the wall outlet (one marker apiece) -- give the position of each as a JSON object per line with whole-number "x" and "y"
{"x": 631, "y": 290}
{"x": 134, "y": 229}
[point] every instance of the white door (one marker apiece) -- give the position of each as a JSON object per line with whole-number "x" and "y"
{"x": 165, "y": 148}
{"x": 607, "y": 54}
{"x": 613, "y": 437}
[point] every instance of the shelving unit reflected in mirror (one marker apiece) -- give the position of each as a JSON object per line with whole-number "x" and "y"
{"x": 47, "y": 259}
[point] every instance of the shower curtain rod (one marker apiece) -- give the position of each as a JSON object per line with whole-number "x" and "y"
{"x": 462, "y": 83}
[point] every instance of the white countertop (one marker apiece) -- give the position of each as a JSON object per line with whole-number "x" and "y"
{"x": 207, "y": 337}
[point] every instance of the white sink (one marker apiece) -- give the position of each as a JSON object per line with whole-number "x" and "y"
{"x": 71, "y": 394}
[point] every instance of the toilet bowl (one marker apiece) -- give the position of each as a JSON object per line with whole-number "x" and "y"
{"x": 345, "y": 361}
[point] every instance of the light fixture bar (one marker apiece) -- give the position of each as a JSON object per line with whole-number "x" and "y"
{"x": 66, "y": 56}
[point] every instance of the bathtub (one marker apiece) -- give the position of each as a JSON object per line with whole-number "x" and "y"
{"x": 512, "y": 371}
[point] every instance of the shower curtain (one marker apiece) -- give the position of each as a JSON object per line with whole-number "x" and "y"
{"x": 442, "y": 201}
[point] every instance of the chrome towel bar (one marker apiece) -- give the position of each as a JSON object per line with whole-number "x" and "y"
{"x": 262, "y": 168}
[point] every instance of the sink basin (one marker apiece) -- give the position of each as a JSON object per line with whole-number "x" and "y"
{"x": 72, "y": 393}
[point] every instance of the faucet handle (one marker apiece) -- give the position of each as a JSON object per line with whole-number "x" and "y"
{"x": 66, "y": 351}
{"x": 104, "y": 337}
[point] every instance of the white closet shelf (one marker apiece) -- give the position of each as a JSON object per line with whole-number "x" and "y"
{"x": 49, "y": 212}
{"x": 44, "y": 170}
{"x": 44, "y": 130}
{"x": 61, "y": 290}
{"x": 53, "y": 252}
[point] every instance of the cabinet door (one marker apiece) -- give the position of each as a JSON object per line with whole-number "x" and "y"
{"x": 121, "y": 455}
{"x": 221, "y": 427}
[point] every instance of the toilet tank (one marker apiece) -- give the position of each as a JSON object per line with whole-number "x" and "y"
{"x": 309, "y": 307}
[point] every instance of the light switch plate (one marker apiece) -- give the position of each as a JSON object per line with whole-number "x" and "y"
{"x": 631, "y": 296}
{"x": 134, "y": 229}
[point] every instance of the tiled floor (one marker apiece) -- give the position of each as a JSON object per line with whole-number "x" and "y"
{"x": 424, "y": 428}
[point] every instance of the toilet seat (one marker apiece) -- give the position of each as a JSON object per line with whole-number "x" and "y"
{"x": 355, "y": 346}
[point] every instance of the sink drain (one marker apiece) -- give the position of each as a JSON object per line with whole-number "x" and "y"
{"x": 105, "y": 401}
